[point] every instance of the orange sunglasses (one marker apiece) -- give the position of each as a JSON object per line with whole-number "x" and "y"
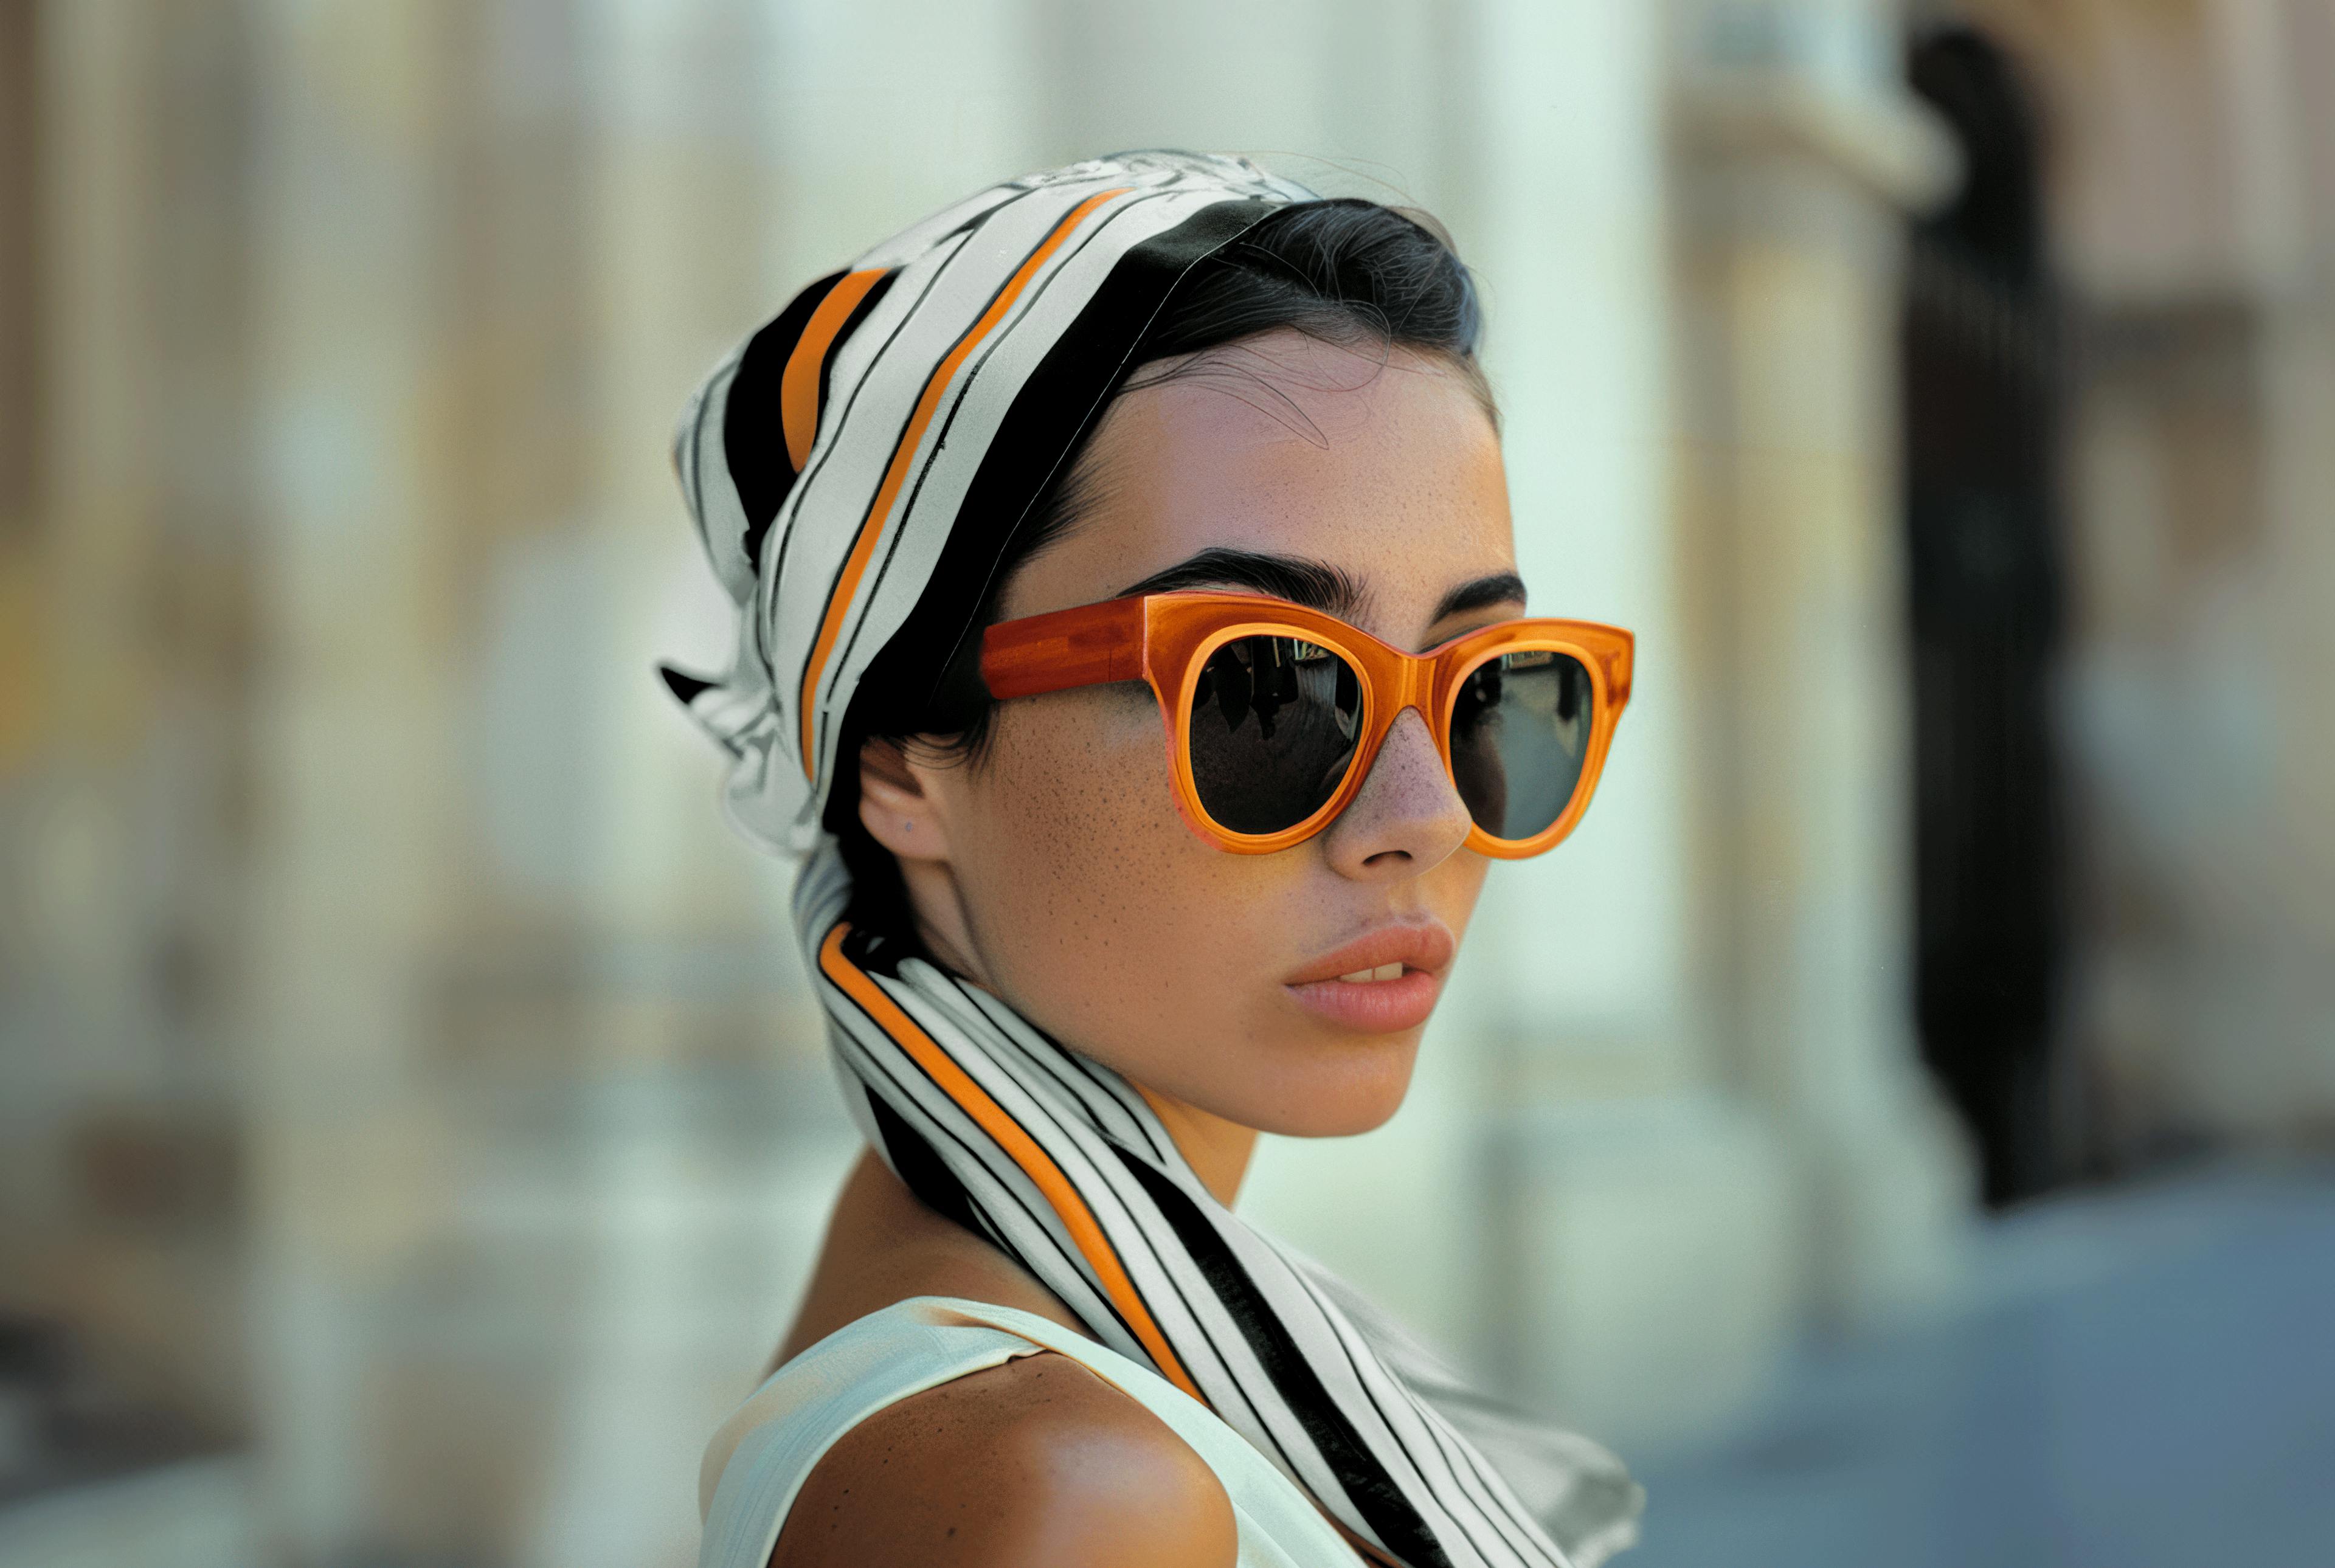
{"x": 1275, "y": 713}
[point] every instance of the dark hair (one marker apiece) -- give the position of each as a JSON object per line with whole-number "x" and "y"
{"x": 1347, "y": 272}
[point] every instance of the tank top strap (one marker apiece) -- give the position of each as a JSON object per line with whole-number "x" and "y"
{"x": 760, "y": 1458}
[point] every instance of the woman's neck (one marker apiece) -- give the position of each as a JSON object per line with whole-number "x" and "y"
{"x": 1217, "y": 1150}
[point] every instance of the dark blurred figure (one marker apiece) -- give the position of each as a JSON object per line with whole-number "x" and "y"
{"x": 1980, "y": 407}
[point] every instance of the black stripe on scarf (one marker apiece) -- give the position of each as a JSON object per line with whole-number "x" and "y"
{"x": 753, "y": 432}
{"x": 920, "y": 1169}
{"x": 1382, "y": 1503}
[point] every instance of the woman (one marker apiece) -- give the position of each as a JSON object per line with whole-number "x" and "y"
{"x": 1153, "y": 444}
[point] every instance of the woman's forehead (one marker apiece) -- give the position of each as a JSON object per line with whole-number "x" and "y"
{"x": 1388, "y": 469}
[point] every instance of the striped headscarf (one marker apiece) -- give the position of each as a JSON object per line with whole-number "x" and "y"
{"x": 857, "y": 471}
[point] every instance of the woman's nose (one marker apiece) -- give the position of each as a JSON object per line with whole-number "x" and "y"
{"x": 1407, "y": 817}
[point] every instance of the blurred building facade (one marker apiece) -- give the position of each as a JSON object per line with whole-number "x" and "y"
{"x": 407, "y": 1079}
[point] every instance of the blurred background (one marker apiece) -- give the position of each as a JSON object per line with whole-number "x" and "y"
{"x": 1899, "y": 1121}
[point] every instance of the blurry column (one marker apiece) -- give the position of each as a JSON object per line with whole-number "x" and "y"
{"x": 85, "y": 921}
{"x": 2294, "y": 213}
{"x": 706, "y": 1142}
{"x": 1798, "y": 154}
{"x": 122, "y": 549}
{"x": 2263, "y": 1038}
{"x": 353, "y": 876}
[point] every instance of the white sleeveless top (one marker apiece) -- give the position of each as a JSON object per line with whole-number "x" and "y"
{"x": 762, "y": 1455}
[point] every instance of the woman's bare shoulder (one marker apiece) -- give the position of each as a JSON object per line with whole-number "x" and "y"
{"x": 1038, "y": 1462}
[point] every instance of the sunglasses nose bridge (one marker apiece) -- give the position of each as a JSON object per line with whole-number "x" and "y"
{"x": 1414, "y": 687}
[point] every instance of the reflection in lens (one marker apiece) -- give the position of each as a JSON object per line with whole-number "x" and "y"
{"x": 1273, "y": 725}
{"x": 1519, "y": 736}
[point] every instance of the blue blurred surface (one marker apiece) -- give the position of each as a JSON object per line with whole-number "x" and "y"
{"x": 2145, "y": 1378}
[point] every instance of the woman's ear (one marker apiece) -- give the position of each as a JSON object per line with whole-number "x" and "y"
{"x": 895, "y": 806}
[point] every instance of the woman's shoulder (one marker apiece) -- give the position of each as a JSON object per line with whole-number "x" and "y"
{"x": 937, "y": 1408}
{"x": 1036, "y": 1461}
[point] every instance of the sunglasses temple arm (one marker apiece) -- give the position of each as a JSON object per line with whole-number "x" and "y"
{"x": 1092, "y": 645}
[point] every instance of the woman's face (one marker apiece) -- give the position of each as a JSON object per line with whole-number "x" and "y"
{"x": 1056, "y": 871}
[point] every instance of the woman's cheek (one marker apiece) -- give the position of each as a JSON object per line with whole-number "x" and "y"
{"x": 1067, "y": 804}
{"x": 1084, "y": 868}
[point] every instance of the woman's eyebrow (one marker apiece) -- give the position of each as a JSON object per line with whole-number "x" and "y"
{"x": 1502, "y": 588}
{"x": 1316, "y": 585}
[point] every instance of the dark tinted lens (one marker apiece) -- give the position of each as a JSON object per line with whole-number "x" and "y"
{"x": 1273, "y": 725}
{"x": 1519, "y": 736}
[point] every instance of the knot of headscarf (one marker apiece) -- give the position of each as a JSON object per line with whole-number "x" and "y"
{"x": 857, "y": 471}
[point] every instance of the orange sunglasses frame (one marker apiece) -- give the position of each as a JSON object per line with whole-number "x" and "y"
{"x": 1164, "y": 639}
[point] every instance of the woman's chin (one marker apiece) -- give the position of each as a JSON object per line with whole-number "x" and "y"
{"x": 1351, "y": 1085}
{"x": 1352, "y": 1123}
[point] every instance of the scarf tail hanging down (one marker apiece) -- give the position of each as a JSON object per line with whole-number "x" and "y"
{"x": 858, "y": 467}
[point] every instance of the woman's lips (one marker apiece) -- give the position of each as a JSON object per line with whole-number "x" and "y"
{"x": 1372, "y": 1007}
{"x": 1332, "y": 986}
